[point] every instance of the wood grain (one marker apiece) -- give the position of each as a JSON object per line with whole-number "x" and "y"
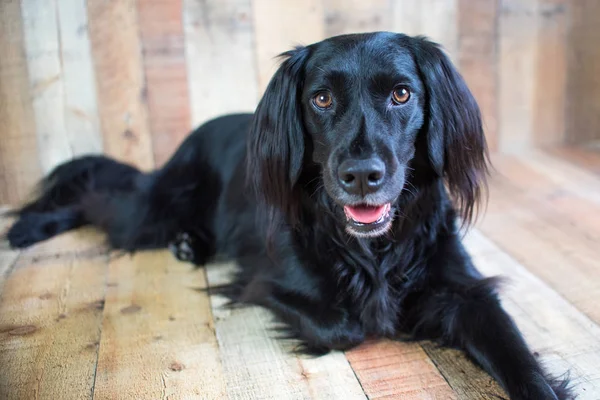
{"x": 478, "y": 59}
{"x": 279, "y": 26}
{"x": 258, "y": 365}
{"x": 393, "y": 370}
{"x": 564, "y": 338}
{"x": 116, "y": 50}
{"x": 8, "y": 257}
{"x": 19, "y": 164}
{"x": 44, "y": 62}
{"x": 546, "y": 237}
{"x": 50, "y": 328}
{"x": 517, "y": 51}
{"x": 587, "y": 158}
{"x": 468, "y": 381}
{"x": 82, "y": 124}
{"x": 158, "y": 338}
{"x": 433, "y": 18}
{"x": 354, "y": 16}
{"x": 220, "y": 81}
{"x": 163, "y": 46}
{"x": 583, "y": 96}
{"x": 551, "y": 73}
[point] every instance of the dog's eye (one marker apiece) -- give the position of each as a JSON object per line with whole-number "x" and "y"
{"x": 400, "y": 95}
{"x": 323, "y": 100}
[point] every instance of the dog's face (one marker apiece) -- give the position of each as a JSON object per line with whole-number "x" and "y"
{"x": 363, "y": 106}
{"x": 356, "y": 107}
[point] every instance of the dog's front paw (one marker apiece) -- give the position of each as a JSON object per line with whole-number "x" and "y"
{"x": 183, "y": 247}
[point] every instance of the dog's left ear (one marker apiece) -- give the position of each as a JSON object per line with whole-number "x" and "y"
{"x": 455, "y": 138}
{"x": 276, "y": 137}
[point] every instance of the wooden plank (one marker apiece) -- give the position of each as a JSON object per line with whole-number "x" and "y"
{"x": 116, "y": 50}
{"x": 280, "y": 25}
{"x": 354, "y": 16}
{"x": 82, "y": 126}
{"x": 394, "y": 370}
{"x": 258, "y": 365}
{"x": 468, "y": 381}
{"x": 43, "y": 51}
{"x": 583, "y": 96}
{"x": 221, "y": 64}
{"x": 8, "y": 257}
{"x": 436, "y": 19}
{"x": 161, "y": 30}
{"x": 547, "y": 242}
{"x": 551, "y": 73}
{"x": 19, "y": 164}
{"x": 564, "y": 338}
{"x": 478, "y": 59}
{"x": 516, "y": 73}
{"x": 158, "y": 338}
{"x": 50, "y": 328}
{"x": 587, "y": 158}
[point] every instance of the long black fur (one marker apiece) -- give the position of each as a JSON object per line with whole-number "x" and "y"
{"x": 262, "y": 189}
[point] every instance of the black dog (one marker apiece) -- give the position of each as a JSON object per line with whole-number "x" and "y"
{"x": 361, "y": 155}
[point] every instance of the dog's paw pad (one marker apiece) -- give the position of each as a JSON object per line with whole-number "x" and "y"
{"x": 182, "y": 248}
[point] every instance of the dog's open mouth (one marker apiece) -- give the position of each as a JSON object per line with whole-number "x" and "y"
{"x": 368, "y": 220}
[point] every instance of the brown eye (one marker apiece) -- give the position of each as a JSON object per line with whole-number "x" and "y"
{"x": 400, "y": 95}
{"x": 323, "y": 100}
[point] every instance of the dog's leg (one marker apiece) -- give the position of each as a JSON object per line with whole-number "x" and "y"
{"x": 464, "y": 310}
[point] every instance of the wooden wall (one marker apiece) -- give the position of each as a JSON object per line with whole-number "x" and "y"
{"x": 130, "y": 78}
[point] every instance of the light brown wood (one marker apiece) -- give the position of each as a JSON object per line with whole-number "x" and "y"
{"x": 394, "y": 370}
{"x": 258, "y": 365}
{"x": 8, "y": 257}
{"x": 354, "y": 16}
{"x": 19, "y": 163}
{"x": 547, "y": 238}
{"x": 279, "y": 26}
{"x": 583, "y": 82}
{"x": 46, "y": 75}
{"x": 116, "y": 51}
{"x": 478, "y": 59}
{"x": 50, "y": 328}
{"x": 551, "y": 72}
{"x": 158, "y": 338}
{"x": 564, "y": 338}
{"x": 516, "y": 73}
{"x": 583, "y": 157}
{"x": 220, "y": 81}
{"x": 163, "y": 47}
{"x": 82, "y": 125}
{"x": 432, "y": 18}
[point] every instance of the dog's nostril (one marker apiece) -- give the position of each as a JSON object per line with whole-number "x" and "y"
{"x": 375, "y": 177}
{"x": 348, "y": 178}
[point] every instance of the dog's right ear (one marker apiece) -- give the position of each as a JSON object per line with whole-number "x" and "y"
{"x": 276, "y": 138}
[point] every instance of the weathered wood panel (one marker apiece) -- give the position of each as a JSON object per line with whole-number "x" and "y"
{"x": 583, "y": 82}
{"x": 166, "y": 90}
{"x": 116, "y": 50}
{"x": 257, "y": 364}
{"x": 51, "y": 314}
{"x": 221, "y": 63}
{"x": 517, "y": 48}
{"x": 43, "y": 52}
{"x": 279, "y": 26}
{"x": 158, "y": 338}
{"x": 478, "y": 59}
{"x": 19, "y": 162}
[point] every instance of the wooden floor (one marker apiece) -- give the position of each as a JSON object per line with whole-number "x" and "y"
{"x": 76, "y": 322}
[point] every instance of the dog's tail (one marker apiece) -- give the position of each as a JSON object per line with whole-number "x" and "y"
{"x": 92, "y": 190}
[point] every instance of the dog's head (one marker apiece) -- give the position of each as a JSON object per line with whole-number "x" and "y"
{"x": 361, "y": 108}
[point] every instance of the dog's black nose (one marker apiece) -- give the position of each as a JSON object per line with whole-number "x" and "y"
{"x": 361, "y": 176}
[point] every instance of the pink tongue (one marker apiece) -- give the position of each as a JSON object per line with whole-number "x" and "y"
{"x": 365, "y": 214}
